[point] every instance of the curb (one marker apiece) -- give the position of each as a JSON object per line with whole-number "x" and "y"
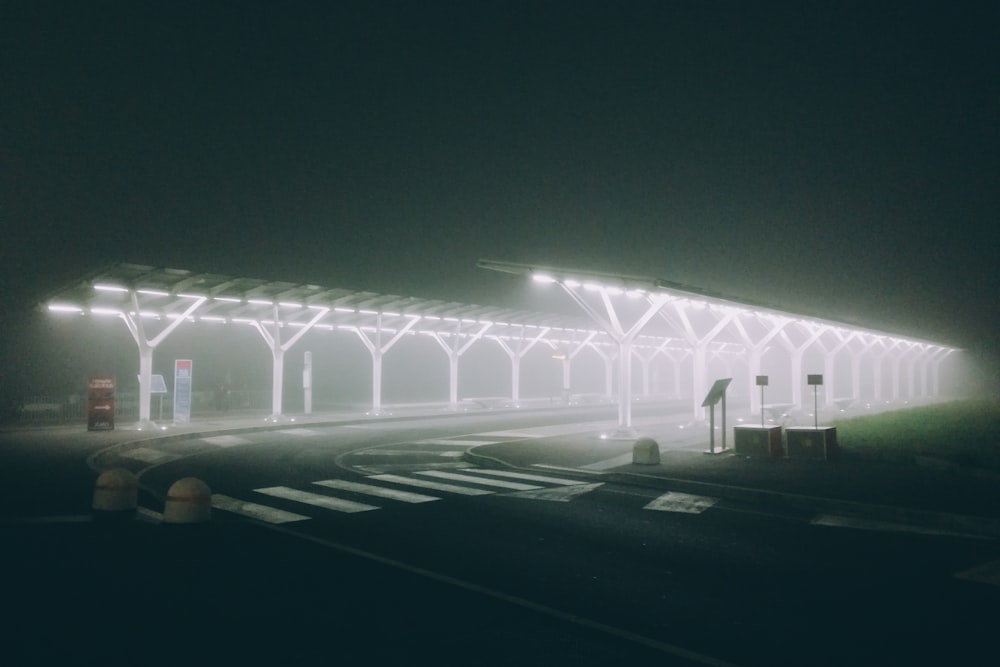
{"x": 985, "y": 527}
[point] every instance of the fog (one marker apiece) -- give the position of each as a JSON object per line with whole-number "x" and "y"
{"x": 232, "y": 369}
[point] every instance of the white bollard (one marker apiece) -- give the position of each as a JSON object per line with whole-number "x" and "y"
{"x": 116, "y": 491}
{"x": 189, "y": 500}
{"x": 646, "y": 451}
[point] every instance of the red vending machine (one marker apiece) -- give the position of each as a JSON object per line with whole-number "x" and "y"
{"x": 100, "y": 403}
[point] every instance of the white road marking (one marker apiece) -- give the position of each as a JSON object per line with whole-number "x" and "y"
{"x": 988, "y": 573}
{"x": 561, "y": 494}
{"x": 510, "y": 434}
{"x": 548, "y": 431}
{"x": 477, "y": 480}
{"x": 525, "y": 476}
{"x": 456, "y": 442}
{"x": 837, "y": 521}
{"x": 254, "y": 511}
{"x": 225, "y": 440}
{"x": 607, "y": 464}
{"x": 565, "y": 469}
{"x": 681, "y": 502}
{"x": 298, "y": 431}
{"x": 380, "y": 491}
{"x": 319, "y": 500}
{"x": 427, "y": 484}
{"x": 406, "y": 452}
{"x": 149, "y": 455}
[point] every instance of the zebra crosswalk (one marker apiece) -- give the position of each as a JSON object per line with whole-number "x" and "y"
{"x": 385, "y": 489}
{"x": 416, "y": 487}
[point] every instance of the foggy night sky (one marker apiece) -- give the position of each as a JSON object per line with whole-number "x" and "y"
{"x": 840, "y": 157}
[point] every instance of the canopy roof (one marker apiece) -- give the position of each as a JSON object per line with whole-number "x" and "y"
{"x": 168, "y": 293}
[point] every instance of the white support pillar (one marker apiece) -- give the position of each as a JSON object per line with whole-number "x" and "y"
{"x": 609, "y": 365}
{"x": 699, "y": 346}
{"x": 676, "y": 361}
{"x": 644, "y": 362}
{"x": 887, "y": 348}
{"x": 278, "y": 349}
{"x": 897, "y": 362}
{"x": 757, "y": 350}
{"x": 454, "y": 353}
{"x": 377, "y": 350}
{"x": 612, "y": 325}
{"x": 830, "y": 365}
{"x": 516, "y": 353}
{"x": 856, "y": 358}
{"x": 911, "y": 384}
{"x": 797, "y": 351}
{"x": 567, "y": 362}
{"x": 935, "y": 371}
{"x": 133, "y": 321}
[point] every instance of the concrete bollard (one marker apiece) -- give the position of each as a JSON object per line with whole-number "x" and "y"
{"x": 646, "y": 451}
{"x": 116, "y": 494}
{"x": 189, "y": 500}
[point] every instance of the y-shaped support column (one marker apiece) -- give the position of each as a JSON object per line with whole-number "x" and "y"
{"x": 378, "y": 350}
{"x": 567, "y": 362}
{"x": 278, "y": 350}
{"x": 611, "y": 324}
{"x": 797, "y": 351}
{"x": 454, "y": 352}
{"x": 699, "y": 347}
{"x": 517, "y": 353}
{"x": 146, "y": 346}
{"x": 757, "y": 350}
{"x": 935, "y": 371}
{"x": 830, "y": 365}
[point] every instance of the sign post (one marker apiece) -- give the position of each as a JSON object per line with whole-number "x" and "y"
{"x": 182, "y": 391}
{"x": 815, "y": 381}
{"x": 307, "y": 373}
{"x": 100, "y": 403}
{"x": 715, "y": 394}
{"x": 762, "y": 382}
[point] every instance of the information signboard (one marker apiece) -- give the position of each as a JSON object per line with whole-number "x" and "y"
{"x": 182, "y": 391}
{"x": 100, "y": 403}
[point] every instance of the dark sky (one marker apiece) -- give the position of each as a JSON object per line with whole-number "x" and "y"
{"x": 838, "y": 156}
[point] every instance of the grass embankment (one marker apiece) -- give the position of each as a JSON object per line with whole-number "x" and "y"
{"x": 961, "y": 433}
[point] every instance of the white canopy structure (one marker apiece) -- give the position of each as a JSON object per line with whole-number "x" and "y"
{"x": 700, "y": 323}
{"x": 627, "y": 318}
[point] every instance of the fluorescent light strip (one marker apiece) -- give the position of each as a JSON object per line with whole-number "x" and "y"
{"x": 110, "y": 288}
{"x": 153, "y": 292}
{"x": 343, "y": 310}
{"x": 228, "y": 299}
{"x": 105, "y": 311}
{"x": 64, "y": 308}
{"x": 289, "y": 304}
{"x": 260, "y": 302}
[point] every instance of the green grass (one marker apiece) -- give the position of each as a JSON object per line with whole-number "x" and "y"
{"x": 965, "y": 433}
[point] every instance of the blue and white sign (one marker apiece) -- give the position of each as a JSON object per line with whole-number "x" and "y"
{"x": 182, "y": 391}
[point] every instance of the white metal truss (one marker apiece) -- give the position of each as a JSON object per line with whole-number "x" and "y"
{"x": 626, "y": 319}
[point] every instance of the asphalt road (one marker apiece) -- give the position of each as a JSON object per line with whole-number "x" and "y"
{"x": 574, "y": 570}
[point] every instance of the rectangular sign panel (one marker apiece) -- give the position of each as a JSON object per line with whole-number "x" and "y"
{"x": 716, "y": 392}
{"x": 182, "y": 391}
{"x": 100, "y": 403}
{"x": 814, "y": 379}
